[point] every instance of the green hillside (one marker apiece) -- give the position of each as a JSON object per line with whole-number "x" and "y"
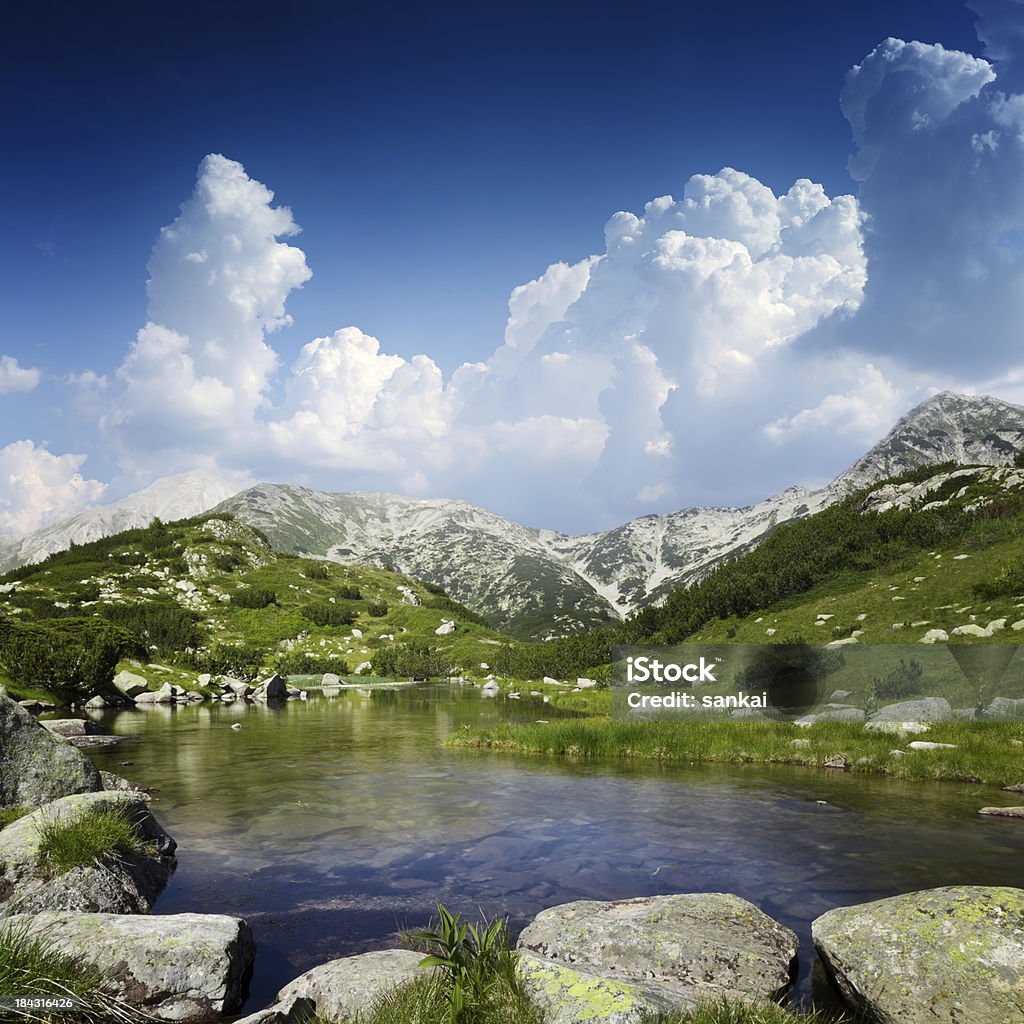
{"x": 210, "y": 595}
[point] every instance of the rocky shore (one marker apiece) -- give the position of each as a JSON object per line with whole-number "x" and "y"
{"x": 952, "y": 955}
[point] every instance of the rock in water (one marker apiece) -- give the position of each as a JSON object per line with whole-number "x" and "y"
{"x": 954, "y": 954}
{"x": 178, "y": 967}
{"x": 344, "y": 988}
{"x": 127, "y": 884}
{"x": 35, "y": 765}
{"x": 615, "y": 962}
{"x": 272, "y": 689}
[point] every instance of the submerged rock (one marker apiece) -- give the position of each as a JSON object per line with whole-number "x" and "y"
{"x": 954, "y": 954}
{"x": 616, "y": 961}
{"x": 127, "y": 884}
{"x": 179, "y": 967}
{"x": 343, "y": 988}
{"x": 37, "y": 766}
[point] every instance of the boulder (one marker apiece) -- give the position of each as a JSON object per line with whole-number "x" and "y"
{"x": 295, "y": 1010}
{"x": 130, "y": 684}
{"x": 178, "y": 967}
{"x": 586, "y": 684}
{"x": 119, "y": 784}
{"x": 70, "y": 727}
{"x": 273, "y": 688}
{"x": 953, "y": 954}
{"x": 35, "y": 765}
{"x": 129, "y": 884}
{"x": 344, "y": 988}
{"x": 929, "y": 745}
{"x": 934, "y": 636}
{"x": 330, "y": 679}
{"x": 489, "y": 689}
{"x": 446, "y": 627}
{"x": 616, "y": 961}
{"x": 97, "y": 702}
{"x": 1003, "y": 812}
{"x": 927, "y": 709}
{"x": 239, "y": 688}
{"x": 1006, "y": 709}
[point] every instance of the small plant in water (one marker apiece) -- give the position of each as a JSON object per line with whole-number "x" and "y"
{"x": 468, "y": 958}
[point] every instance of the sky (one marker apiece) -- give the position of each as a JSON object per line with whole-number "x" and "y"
{"x": 573, "y": 262}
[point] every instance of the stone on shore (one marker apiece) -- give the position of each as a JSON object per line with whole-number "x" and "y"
{"x": 70, "y": 727}
{"x": 295, "y": 1010}
{"x": 615, "y": 961}
{"x": 274, "y": 688}
{"x": 903, "y": 728}
{"x": 954, "y": 954}
{"x": 35, "y": 765}
{"x": 343, "y": 988}
{"x": 1003, "y": 812}
{"x": 178, "y": 967}
{"x": 129, "y": 884}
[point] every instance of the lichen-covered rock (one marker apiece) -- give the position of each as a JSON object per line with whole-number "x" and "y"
{"x": 70, "y": 727}
{"x": 37, "y": 766}
{"x": 273, "y": 688}
{"x": 343, "y": 988}
{"x": 612, "y": 962}
{"x": 178, "y": 967}
{"x": 954, "y": 954}
{"x": 128, "y": 885}
{"x": 130, "y": 684}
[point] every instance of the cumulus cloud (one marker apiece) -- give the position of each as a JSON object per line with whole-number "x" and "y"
{"x": 39, "y": 487}
{"x": 17, "y": 378}
{"x": 219, "y": 278}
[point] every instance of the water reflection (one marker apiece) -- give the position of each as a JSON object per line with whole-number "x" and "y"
{"x": 329, "y": 823}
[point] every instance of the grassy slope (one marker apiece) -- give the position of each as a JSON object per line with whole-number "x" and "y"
{"x": 188, "y": 552}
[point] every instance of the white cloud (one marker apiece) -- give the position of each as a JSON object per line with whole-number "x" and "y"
{"x": 39, "y": 487}
{"x": 17, "y": 378}
{"x": 865, "y": 412}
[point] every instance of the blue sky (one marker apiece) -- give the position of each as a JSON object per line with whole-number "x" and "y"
{"x": 435, "y": 160}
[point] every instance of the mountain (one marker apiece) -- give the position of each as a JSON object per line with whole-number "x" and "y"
{"x": 169, "y": 498}
{"x": 542, "y": 583}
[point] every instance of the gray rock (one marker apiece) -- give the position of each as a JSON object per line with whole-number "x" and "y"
{"x": 954, "y": 954}
{"x": 927, "y": 709}
{"x": 614, "y": 961}
{"x": 330, "y": 679}
{"x": 130, "y": 684}
{"x": 929, "y": 745}
{"x": 118, "y": 784}
{"x": 129, "y": 885}
{"x": 70, "y": 727}
{"x": 343, "y": 988}
{"x": 1006, "y": 709}
{"x": 37, "y": 766}
{"x": 295, "y": 1010}
{"x": 1003, "y": 812}
{"x": 97, "y": 702}
{"x": 239, "y": 688}
{"x": 271, "y": 689}
{"x": 839, "y": 695}
{"x": 178, "y": 967}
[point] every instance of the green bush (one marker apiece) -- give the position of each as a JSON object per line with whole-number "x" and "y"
{"x": 70, "y": 657}
{"x": 161, "y": 624}
{"x": 299, "y": 663}
{"x": 241, "y": 660}
{"x": 323, "y": 613}
{"x": 348, "y": 593}
{"x": 227, "y": 561}
{"x": 415, "y": 659}
{"x": 316, "y": 571}
{"x": 102, "y": 835}
{"x": 902, "y": 681}
{"x": 378, "y": 609}
{"x": 254, "y": 597}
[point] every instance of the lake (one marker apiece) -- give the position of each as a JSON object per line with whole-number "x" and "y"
{"x": 330, "y": 823}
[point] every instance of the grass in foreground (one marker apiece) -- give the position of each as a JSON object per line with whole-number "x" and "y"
{"x": 29, "y": 966}
{"x": 103, "y": 835}
{"x": 726, "y": 1011}
{"x": 989, "y": 753}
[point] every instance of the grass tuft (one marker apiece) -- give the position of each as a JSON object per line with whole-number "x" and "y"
{"x": 102, "y": 835}
{"x": 729, "y": 1011}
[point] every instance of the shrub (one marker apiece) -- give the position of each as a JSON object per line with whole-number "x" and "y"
{"x": 415, "y": 659}
{"x": 254, "y": 597}
{"x": 323, "y": 613}
{"x": 316, "y": 571}
{"x": 241, "y": 660}
{"x": 161, "y": 624}
{"x": 300, "y": 663}
{"x": 227, "y": 561}
{"x": 378, "y": 609}
{"x": 902, "y": 681}
{"x": 349, "y": 593}
{"x": 72, "y": 657}
{"x": 102, "y": 835}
